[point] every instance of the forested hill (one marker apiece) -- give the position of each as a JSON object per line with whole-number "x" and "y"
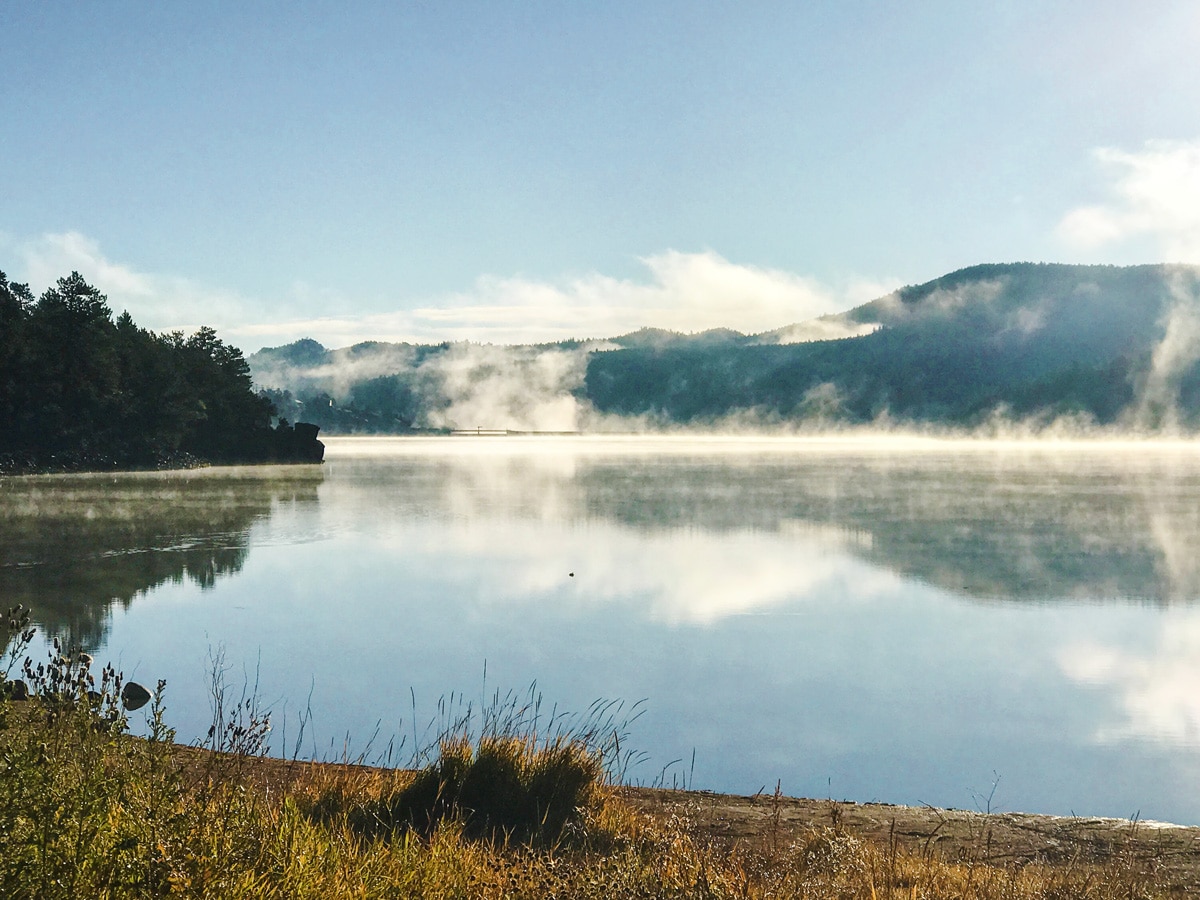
{"x": 1099, "y": 344}
{"x": 1029, "y": 340}
{"x": 79, "y": 390}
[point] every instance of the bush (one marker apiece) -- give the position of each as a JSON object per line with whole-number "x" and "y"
{"x": 501, "y": 789}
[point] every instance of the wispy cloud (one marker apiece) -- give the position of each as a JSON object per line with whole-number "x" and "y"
{"x": 159, "y": 302}
{"x": 1154, "y": 193}
{"x": 682, "y": 292}
{"x": 685, "y": 292}
{"x": 54, "y": 255}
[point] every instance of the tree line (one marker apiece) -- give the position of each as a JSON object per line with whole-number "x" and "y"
{"x": 82, "y": 390}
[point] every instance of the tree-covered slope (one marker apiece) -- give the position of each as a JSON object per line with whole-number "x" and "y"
{"x": 1116, "y": 346}
{"x": 1030, "y": 339}
{"x": 80, "y": 390}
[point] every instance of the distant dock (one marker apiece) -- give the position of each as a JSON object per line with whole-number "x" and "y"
{"x": 507, "y": 432}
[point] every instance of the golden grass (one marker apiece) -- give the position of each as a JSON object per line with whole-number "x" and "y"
{"x": 94, "y": 816}
{"x": 87, "y": 811}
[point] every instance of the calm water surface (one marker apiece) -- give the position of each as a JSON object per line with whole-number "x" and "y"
{"x": 905, "y": 622}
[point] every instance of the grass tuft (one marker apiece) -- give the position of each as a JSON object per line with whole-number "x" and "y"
{"x": 501, "y": 789}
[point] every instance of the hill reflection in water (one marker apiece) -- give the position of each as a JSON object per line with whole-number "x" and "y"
{"x": 907, "y": 617}
{"x": 986, "y": 521}
{"x": 73, "y": 547}
{"x": 892, "y": 621}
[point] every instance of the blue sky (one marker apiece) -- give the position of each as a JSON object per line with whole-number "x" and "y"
{"x": 526, "y": 171}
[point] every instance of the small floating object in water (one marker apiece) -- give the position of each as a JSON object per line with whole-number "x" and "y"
{"x": 134, "y": 696}
{"x": 570, "y": 574}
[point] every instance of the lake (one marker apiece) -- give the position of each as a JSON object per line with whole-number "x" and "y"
{"x": 965, "y": 624}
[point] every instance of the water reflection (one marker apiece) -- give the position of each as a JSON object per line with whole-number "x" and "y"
{"x": 987, "y": 522}
{"x": 74, "y": 547}
{"x": 1157, "y": 686}
{"x": 863, "y": 620}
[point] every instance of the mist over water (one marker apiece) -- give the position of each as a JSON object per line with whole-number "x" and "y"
{"x": 1157, "y": 407}
{"x": 463, "y": 385}
{"x": 995, "y": 351}
{"x": 869, "y": 619}
{"x": 75, "y": 547}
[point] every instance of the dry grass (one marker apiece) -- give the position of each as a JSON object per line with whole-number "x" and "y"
{"x": 86, "y": 811}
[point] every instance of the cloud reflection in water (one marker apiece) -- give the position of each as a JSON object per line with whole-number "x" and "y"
{"x": 1156, "y": 688}
{"x": 891, "y": 617}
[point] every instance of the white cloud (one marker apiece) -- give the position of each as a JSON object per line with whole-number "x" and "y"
{"x": 684, "y": 292}
{"x": 162, "y": 303}
{"x": 1155, "y": 193}
{"x": 54, "y": 255}
{"x": 826, "y": 328}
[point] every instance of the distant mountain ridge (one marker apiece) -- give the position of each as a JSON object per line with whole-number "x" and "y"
{"x": 1103, "y": 345}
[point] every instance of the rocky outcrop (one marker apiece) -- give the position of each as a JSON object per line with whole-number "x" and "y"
{"x": 296, "y": 443}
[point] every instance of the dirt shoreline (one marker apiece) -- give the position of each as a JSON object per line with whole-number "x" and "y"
{"x": 765, "y": 822}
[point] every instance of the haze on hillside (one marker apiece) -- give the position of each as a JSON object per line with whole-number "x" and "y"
{"x": 1046, "y": 349}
